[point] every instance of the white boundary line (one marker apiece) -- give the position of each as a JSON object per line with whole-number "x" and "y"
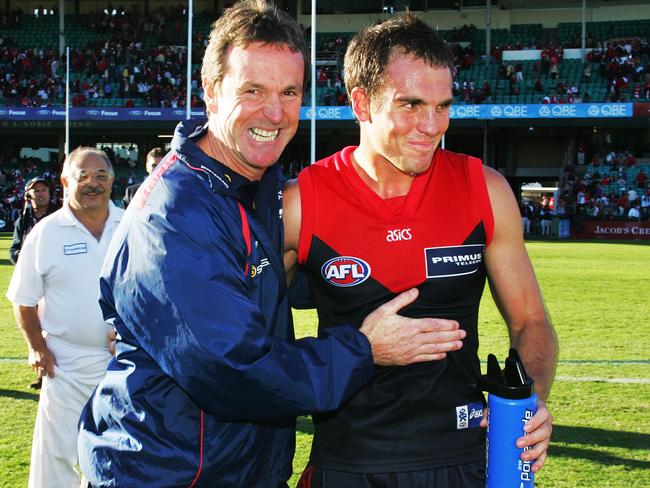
{"x": 597, "y": 379}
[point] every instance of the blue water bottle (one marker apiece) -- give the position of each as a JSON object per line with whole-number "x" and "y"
{"x": 511, "y": 403}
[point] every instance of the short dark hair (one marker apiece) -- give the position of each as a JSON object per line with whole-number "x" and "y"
{"x": 247, "y": 22}
{"x": 370, "y": 51}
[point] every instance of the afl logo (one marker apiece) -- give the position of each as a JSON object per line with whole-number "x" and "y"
{"x": 345, "y": 271}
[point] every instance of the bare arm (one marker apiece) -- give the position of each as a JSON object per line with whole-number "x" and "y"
{"x": 291, "y": 214}
{"x": 517, "y": 294}
{"x": 40, "y": 357}
{"x": 515, "y": 289}
{"x": 395, "y": 340}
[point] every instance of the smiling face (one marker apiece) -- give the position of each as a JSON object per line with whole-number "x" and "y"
{"x": 88, "y": 182}
{"x": 254, "y": 111}
{"x": 404, "y": 123}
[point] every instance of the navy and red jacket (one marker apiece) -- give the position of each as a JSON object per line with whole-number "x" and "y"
{"x": 208, "y": 379}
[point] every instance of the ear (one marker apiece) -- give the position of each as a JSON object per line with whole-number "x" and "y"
{"x": 64, "y": 181}
{"x": 209, "y": 95}
{"x": 360, "y": 103}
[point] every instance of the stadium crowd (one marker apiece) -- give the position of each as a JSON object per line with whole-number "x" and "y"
{"x": 613, "y": 186}
{"x": 139, "y": 60}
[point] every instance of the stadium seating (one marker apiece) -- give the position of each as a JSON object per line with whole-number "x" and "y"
{"x": 92, "y": 33}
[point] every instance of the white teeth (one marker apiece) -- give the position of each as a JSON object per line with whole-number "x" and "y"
{"x": 261, "y": 135}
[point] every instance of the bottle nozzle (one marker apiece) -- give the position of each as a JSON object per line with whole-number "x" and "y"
{"x": 511, "y": 382}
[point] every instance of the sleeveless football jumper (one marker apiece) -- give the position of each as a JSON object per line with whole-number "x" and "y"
{"x": 360, "y": 251}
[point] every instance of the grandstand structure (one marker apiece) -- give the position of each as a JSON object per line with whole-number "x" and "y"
{"x": 530, "y": 89}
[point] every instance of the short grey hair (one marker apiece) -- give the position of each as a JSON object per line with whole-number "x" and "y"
{"x": 79, "y": 153}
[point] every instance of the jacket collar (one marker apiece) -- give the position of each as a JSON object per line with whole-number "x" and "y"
{"x": 222, "y": 179}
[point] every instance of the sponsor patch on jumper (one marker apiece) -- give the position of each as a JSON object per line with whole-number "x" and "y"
{"x": 469, "y": 416}
{"x": 442, "y": 262}
{"x": 345, "y": 271}
{"x": 256, "y": 270}
{"x": 77, "y": 248}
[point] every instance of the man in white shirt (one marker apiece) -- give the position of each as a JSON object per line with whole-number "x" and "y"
{"x": 55, "y": 290}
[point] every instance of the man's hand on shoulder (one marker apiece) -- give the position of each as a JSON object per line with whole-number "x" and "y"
{"x": 397, "y": 340}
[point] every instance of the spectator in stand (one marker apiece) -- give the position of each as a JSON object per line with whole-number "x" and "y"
{"x": 581, "y": 153}
{"x": 645, "y": 205}
{"x": 641, "y": 178}
{"x": 545, "y": 221}
{"x": 519, "y": 72}
{"x": 487, "y": 91}
{"x": 321, "y": 77}
{"x": 586, "y": 73}
{"x": 622, "y": 205}
{"x": 526, "y": 216}
{"x": 634, "y": 213}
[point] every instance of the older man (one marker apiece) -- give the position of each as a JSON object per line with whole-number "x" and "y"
{"x": 207, "y": 380}
{"x": 54, "y": 290}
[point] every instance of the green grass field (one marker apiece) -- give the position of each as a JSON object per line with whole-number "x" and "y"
{"x": 598, "y": 296}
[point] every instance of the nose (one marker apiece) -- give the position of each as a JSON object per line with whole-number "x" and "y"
{"x": 273, "y": 109}
{"x": 431, "y": 122}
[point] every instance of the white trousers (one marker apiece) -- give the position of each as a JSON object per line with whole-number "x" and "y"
{"x": 54, "y": 445}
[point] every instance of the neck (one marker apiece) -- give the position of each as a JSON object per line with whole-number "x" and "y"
{"x": 379, "y": 174}
{"x": 39, "y": 211}
{"x": 92, "y": 219}
{"x": 213, "y": 147}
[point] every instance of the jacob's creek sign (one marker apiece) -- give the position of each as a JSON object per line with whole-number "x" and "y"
{"x": 611, "y": 229}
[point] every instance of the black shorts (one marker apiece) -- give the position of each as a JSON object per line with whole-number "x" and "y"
{"x": 470, "y": 475}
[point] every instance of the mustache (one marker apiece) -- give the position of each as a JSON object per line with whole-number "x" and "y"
{"x": 92, "y": 191}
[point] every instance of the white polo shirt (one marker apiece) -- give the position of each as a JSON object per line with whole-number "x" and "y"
{"x": 58, "y": 270}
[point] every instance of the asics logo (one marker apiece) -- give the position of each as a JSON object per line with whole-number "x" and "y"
{"x": 399, "y": 235}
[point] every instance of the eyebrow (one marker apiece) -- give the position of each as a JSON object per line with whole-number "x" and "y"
{"x": 409, "y": 99}
{"x": 416, "y": 100}
{"x": 247, "y": 85}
